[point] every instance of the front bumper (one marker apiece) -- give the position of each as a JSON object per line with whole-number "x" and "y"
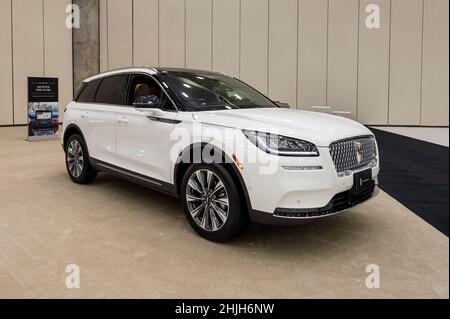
{"x": 290, "y": 192}
{"x": 339, "y": 204}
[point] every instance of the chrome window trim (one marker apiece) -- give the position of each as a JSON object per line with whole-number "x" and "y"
{"x": 108, "y": 74}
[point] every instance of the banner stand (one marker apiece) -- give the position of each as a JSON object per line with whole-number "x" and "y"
{"x": 43, "y": 109}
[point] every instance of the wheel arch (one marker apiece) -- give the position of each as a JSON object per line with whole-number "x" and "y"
{"x": 71, "y": 130}
{"x": 181, "y": 167}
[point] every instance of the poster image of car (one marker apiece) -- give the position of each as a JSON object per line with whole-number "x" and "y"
{"x": 43, "y": 107}
{"x": 43, "y": 118}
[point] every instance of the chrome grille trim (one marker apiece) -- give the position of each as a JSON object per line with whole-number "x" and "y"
{"x": 354, "y": 154}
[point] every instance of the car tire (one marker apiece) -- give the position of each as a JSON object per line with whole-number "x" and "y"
{"x": 77, "y": 161}
{"x": 208, "y": 200}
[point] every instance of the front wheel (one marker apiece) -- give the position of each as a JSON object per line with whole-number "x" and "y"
{"x": 212, "y": 203}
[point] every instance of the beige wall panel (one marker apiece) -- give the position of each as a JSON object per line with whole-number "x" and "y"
{"x": 435, "y": 101}
{"x": 172, "y": 33}
{"x": 226, "y": 28}
{"x": 58, "y": 49}
{"x": 406, "y": 47}
{"x": 103, "y": 4}
{"x": 283, "y": 51}
{"x": 145, "y": 32}
{"x": 120, "y": 34}
{"x": 343, "y": 55}
{"x": 312, "y": 53}
{"x": 28, "y": 49}
{"x": 6, "y": 101}
{"x": 327, "y": 54}
{"x": 199, "y": 34}
{"x": 373, "y": 78}
{"x": 254, "y": 43}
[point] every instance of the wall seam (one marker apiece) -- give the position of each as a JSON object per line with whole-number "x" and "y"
{"x": 185, "y": 33}
{"x": 328, "y": 52}
{"x": 132, "y": 33}
{"x": 73, "y": 53}
{"x": 268, "y": 49}
{"x": 389, "y": 64}
{"x": 240, "y": 37}
{"x": 212, "y": 34}
{"x": 159, "y": 44}
{"x": 43, "y": 37}
{"x": 12, "y": 62}
{"x": 421, "y": 63}
{"x": 357, "y": 59}
{"x": 297, "y": 59}
{"x": 107, "y": 35}
{"x": 99, "y": 37}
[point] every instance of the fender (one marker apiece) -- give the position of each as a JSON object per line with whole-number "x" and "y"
{"x": 70, "y": 128}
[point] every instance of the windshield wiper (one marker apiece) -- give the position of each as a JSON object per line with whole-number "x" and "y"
{"x": 227, "y": 102}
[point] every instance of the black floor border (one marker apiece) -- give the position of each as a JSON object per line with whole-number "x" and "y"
{"x": 415, "y": 173}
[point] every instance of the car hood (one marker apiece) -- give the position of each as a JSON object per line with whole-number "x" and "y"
{"x": 318, "y": 128}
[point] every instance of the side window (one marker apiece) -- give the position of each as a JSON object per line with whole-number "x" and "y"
{"x": 142, "y": 86}
{"x": 112, "y": 90}
{"x": 87, "y": 94}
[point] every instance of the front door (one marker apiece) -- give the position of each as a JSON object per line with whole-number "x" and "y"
{"x": 143, "y": 142}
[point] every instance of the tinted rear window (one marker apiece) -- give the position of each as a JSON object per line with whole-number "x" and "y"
{"x": 88, "y": 92}
{"x": 112, "y": 90}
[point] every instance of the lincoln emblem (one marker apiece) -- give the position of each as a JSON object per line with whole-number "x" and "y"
{"x": 359, "y": 152}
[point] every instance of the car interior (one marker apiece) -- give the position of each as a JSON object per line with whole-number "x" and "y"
{"x": 143, "y": 86}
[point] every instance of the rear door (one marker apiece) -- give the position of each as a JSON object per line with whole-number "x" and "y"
{"x": 101, "y": 117}
{"x": 83, "y": 108}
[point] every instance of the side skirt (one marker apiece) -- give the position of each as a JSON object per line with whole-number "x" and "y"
{"x": 134, "y": 177}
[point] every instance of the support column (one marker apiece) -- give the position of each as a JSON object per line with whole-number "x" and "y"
{"x": 86, "y": 42}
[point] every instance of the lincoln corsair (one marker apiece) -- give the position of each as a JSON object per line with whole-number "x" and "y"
{"x": 228, "y": 152}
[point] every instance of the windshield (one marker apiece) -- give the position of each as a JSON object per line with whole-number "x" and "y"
{"x": 206, "y": 92}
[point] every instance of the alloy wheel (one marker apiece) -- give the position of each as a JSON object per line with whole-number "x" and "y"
{"x": 75, "y": 158}
{"x": 207, "y": 200}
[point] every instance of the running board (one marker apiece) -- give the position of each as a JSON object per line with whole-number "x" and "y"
{"x": 134, "y": 177}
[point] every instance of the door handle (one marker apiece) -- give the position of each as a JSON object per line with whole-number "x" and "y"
{"x": 122, "y": 120}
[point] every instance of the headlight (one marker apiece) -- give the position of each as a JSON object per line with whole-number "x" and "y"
{"x": 281, "y": 145}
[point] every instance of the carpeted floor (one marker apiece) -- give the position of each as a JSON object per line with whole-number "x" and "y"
{"x": 132, "y": 242}
{"x": 415, "y": 173}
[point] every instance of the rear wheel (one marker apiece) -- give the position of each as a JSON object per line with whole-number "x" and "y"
{"x": 77, "y": 161}
{"x": 212, "y": 203}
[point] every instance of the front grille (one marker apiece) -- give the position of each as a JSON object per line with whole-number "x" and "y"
{"x": 339, "y": 203}
{"x": 354, "y": 154}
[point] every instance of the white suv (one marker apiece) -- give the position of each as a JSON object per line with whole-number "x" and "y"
{"x": 231, "y": 154}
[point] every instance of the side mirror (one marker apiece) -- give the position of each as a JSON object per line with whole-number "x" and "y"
{"x": 147, "y": 102}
